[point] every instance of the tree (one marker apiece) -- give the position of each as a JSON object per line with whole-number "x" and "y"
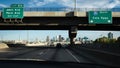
{"x": 118, "y": 39}
{"x": 112, "y": 41}
{"x": 105, "y": 40}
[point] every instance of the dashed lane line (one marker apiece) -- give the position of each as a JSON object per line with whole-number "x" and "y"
{"x": 73, "y": 55}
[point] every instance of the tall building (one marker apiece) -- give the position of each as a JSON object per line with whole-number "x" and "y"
{"x": 36, "y": 40}
{"x": 80, "y": 39}
{"x": 57, "y": 38}
{"x": 54, "y": 40}
{"x": 110, "y": 35}
{"x": 67, "y": 39}
{"x": 60, "y": 38}
{"x": 47, "y": 39}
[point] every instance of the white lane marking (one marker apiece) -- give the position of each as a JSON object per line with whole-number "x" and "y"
{"x": 46, "y": 51}
{"x": 43, "y": 52}
{"x": 72, "y": 55}
{"x": 40, "y": 53}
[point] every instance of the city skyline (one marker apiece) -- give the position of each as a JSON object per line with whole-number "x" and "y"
{"x": 41, "y": 34}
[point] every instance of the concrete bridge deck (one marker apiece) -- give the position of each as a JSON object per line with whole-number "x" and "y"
{"x": 59, "y": 14}
{"x": 59, "y": 20}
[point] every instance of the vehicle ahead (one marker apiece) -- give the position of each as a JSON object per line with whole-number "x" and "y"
{"x": 58, "y": 45}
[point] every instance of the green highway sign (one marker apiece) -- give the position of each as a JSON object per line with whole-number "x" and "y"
{"x": 17, "y": 5}
{"x": 100, "y": 17}
{"x": 12, "y": 13}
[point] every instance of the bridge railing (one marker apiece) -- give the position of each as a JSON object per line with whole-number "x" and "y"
{"x": 70, "y": 9}
{"x": 67, "y": 9}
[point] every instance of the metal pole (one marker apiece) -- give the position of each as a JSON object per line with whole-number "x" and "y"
{"x": 75, "y": 5}
{"x": 19, "y": 37}
{"x": 1, "y": 38}
{"x": 27, "y": 36}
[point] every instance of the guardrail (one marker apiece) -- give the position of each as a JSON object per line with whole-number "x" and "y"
{"x": 70, "y": 9}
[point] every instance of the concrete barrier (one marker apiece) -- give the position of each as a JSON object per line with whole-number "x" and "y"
{"x": 3, "y": 45}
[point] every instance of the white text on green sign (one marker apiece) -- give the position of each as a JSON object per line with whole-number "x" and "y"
{"x": 13, "y": 13}
{"x": 100, "y": 17}
{"x": 17, "y": 5}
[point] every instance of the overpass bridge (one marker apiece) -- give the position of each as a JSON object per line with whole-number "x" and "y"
{"x": 55, "y": 19}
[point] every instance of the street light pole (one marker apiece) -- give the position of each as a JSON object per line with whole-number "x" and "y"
{"x": 27, "y": 36}
{"x": 75, "y": 5}
{"x": 1, "y": 38}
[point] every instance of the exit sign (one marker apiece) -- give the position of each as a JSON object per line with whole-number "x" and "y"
{"x": 12, "y": 13}
{"x": 15, "y": 11}
{"x": 17, "y": 5}
{"x": 100, "y": 17}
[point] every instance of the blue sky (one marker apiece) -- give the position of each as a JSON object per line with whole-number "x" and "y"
{"x": 42, "y": 34}
{"x": 64, "y": 3}
{"x": 33, "y": 34}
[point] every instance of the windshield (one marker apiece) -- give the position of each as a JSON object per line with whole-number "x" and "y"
{"x": 81, "y": 31}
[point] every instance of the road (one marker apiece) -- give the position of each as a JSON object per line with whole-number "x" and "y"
{"x": 42, "y": 54}
{"x": 59, "y": 54}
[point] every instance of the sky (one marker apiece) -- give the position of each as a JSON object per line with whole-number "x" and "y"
{"x": 42, "y": 34}
{"x": 63, "y": 3}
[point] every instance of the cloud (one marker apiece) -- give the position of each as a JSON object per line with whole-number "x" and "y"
{"x": 80, "y": 3}
{"x": 2, "y": 5}
{"x": 91, "y": 3}
{"x": 35, "y": 3}
{"x": 38, "y": 3}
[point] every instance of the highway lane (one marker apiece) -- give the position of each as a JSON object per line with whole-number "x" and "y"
{"x": 59, "y": 54}
{"x": 43, "y": 54}
{"x": 14, "y": 52}
{"x": 99, "y": 57}
{"x": 9, "y": 52}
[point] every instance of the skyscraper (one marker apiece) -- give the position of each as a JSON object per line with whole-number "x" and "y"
{"x": 67, "y": 39}
{"x": 57, "y": 38}
{"x": 47, "y": 39}
{"x": 110, "y": 35}
{"x": 54, "y": 40}
{"x": 60, "y": 38}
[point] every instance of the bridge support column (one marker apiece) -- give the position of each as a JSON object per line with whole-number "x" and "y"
{"x": 72, "y": 34}
{"x": 71, "y": 41}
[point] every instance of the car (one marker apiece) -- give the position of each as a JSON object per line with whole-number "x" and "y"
{"x": 58, "y": 45}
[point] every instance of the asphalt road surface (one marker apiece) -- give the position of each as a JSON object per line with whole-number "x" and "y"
{"x": 42, "y": 54}
{"x": 58, "y": 54}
